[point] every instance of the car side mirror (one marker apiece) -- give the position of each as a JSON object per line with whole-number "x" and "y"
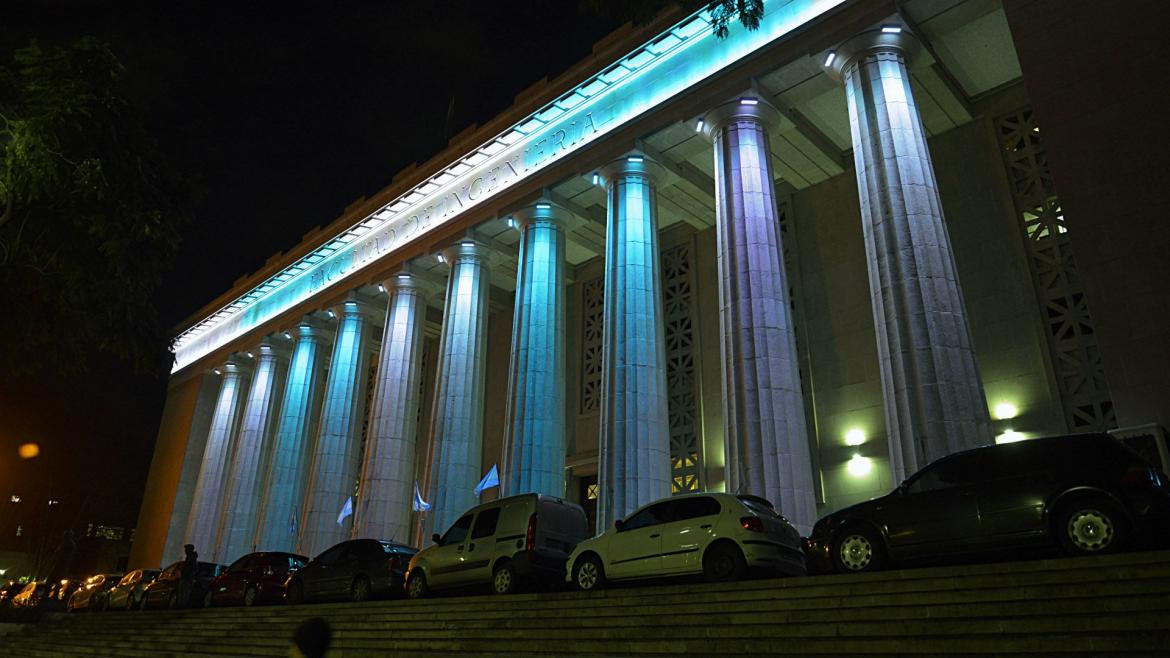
{"x": 619, "y": 524}
{"x": 437, "y": 539}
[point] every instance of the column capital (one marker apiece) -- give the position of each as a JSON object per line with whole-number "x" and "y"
{"x": 466, "y": 249}
{"x": 274, "y": 345}
{"x": 237, "y": 364}
{"x": 311, "y": 327}
{"x": 746, "y": 108}
{"x": 543, "y": 210}
{"x": 631, "y": 164}
{"x": 358, "y": 304}
{"x": 892, "y": 38}
{"x": 403, "y": 281}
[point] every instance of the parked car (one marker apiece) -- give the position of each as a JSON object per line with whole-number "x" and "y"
{"x": 254, "y": 578}
{"x": 31, "y": 595}
{"x": 165, "y": 591}
{"x": 129, "y": 592}
{"x": 8, "y": 591}
{"x": 354, "y": 570}
{"x": 1085, "y": 494}
{"x": 718, "y": 535}
{"x": 61, "y": 590}
{"x": 500, "y": 544}
{"x": 88, "y": 596}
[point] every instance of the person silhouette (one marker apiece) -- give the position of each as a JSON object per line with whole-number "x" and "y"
{"x": 187, "y": 576}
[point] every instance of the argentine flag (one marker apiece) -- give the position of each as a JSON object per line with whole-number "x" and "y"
{"x": 346, "y": 510}
{"x": 492, "y": 479}
{"x": 420, "y": 505}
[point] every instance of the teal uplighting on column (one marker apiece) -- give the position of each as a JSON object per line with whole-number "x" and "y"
{"x": 292, "y": 446}
{"x": 335, "y": 456}
{"x": 388, "y": 467}
{"x": 202, "y": 524}
{"x": 634, "y": 464}
{"x": 457, "y": 416}
{"x": 241, "y": 509}
{"x": 534, "y": 459}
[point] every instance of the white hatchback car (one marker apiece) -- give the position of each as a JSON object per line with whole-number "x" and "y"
{"x": 719, "y": 535}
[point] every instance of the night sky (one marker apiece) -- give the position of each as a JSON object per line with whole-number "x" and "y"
{"x": 285, "y": 112}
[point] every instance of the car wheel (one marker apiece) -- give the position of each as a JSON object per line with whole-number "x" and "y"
{"x": 295, "y": 594}
{"x": 504, "y": 578}
{"x": 361, "y": 589}
{"x": 1091, "y": 527}
{"x": 250, "y": 595}
{"x": 588, "y": 574}
{"x": 856, "y": 550}
{"x": 416, "y": 585}
{"x": 723, "y": 563}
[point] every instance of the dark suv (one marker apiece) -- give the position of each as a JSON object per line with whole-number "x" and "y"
{"x": 1086, "y": 494}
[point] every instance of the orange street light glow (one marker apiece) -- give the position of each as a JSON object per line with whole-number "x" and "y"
{"x": 29, "y": 450}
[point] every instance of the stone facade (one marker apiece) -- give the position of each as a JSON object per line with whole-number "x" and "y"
{"x": 843, "y": 287}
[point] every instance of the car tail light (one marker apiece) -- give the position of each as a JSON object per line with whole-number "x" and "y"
{"x": 752, "y": 523}
{"x": 530, "y": 536}
{"x": 1140, "y": 477}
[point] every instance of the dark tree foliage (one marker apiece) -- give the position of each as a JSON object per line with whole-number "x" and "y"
{"x": 641, "y": 12}
{"x": 90, "y": 214}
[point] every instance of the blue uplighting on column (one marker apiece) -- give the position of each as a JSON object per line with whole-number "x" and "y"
{"x": 203, "y": 522}
{"x": 634, "y": 466}
{"x": 245, "y": 486}
{"x": 535, "y": 443}
{"x": 457, "y": 421}
{"x": 336, "y": 458}
{"x": 280, "y": 516}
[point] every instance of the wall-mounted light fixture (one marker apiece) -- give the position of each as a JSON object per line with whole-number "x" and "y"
{"x": 1005, "y": 410}
{"x": 859, "y": 466}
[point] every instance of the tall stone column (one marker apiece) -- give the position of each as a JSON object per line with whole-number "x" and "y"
{"x": 203, "y": 522}
{"x": 634, "y": 464}
{"x": 237, "y": 533}
{"x": 765, "y": 432}
{"x": 934, "y": 399}
{"x": 334, "y": 472}
{"x": 282, "y": 506}
{"x": 457, "y": 415}
{"x": 388, "y": 470}
{"x": 534, "y": 446}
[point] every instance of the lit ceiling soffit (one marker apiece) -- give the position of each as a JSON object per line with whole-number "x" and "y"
{"x": 667, "y": 65}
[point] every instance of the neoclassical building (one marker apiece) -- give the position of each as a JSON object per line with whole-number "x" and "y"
{"x": 800, "y": 262}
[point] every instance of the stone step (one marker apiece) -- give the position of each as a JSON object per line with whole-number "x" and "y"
{"x": 1080, "y": 606}
{"x": 723, "y": 616}
{"x": 1136, "y": 577}
{"x": 1059, "y": 643}
{"x": 719, "y": 628}
{"x": 381, "y": 612}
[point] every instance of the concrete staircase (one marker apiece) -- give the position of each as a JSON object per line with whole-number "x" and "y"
{"x": 1085, "y": 606}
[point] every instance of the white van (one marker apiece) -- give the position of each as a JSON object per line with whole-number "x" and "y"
{"x": 501, "y": 543}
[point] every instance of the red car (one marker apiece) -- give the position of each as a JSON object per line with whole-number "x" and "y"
{"x": 254, "y": 578}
